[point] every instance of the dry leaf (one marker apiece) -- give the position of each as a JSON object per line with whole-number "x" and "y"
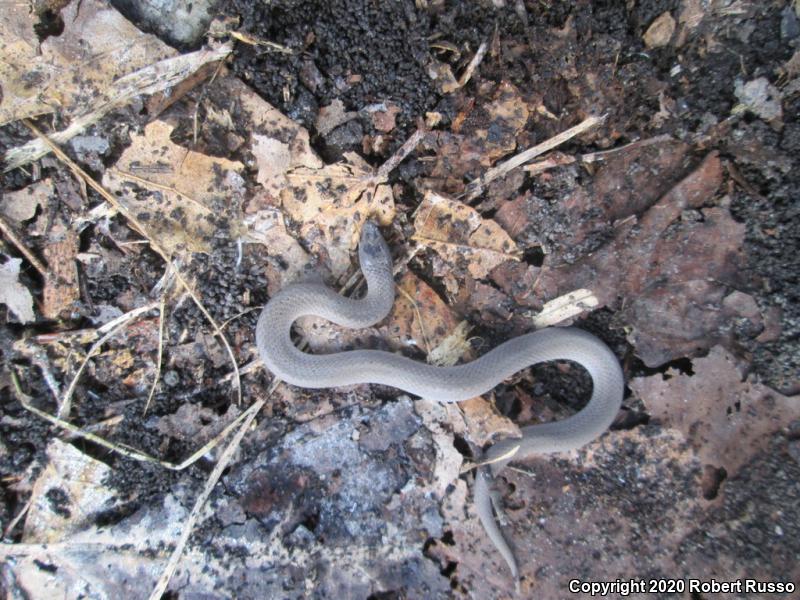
{"x": 383, "y": 115}
{"x": 65, "y": 70}
{"x": 442, "y": 74}
{"x": 277, "y": 143}
{"x": 567, "y": 510}
{"x": 484, "y": 423}
{"x": 672, "y": 297}
{"x": 419, "y": 317}
{"x": 565, "y": 307}
{"x": 113, "y": 561}
{"x": 328, "y": 201}
{"x": 266, "y": 226}
{"x": 21, "y": 205}
{"x": 461, "y": 236}
{"x": 762, "y": 99}
{"x": 516, "y": 280}
{"x": 331, "y": 116}
{"x": 726, "y": 420}
{"x": 791, "y": 68}
{"x": 627, "y": 183}
{"x": 67, "y": 495}
{"x": 194, "y": 423}
{"x": 175, "y": 73}
{"x": 180, "y": 196}
{"x": 452, "y": 348}
{"x": 494, "y": 308}
{"x": 692, "y": 13}
{"x": 12, "y": 293}
{"x": 331, "y": 202}
{"x": 480, "y": 137}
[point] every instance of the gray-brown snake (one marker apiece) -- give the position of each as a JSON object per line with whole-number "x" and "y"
{"x": 442, "y": 384}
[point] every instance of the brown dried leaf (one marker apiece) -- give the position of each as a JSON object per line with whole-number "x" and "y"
{"x": 672, "y": 297}
{"x": 266, "y": 225}
{"x": 631, "y": 180}
{"x": 419, "y": 317}
{"x": 179, "y": 195}
{"x": 331, "y": 202}
{"x": 726, "y": 419}
{"x": 692, "y": 13}
{"x": 480, "y": 137}
{"x": 194, "y": 423}
{"x": 683, "y": 312}
{"x": 461, "y": 236}
{"x": 627, "y": 183}
{"x": 791, "y": 67}
{"x": 452, "y": 348}
{"x": 565, "y": 512}
{"x": 627, "y": 491}
{"x": 517, "y": 279}
{"x": 384, "y": 116}
{"x": 442, "y": 74}
{"x": 565, "y": 307}
{"x": 761, "y": 98}
{"x": 65, "y": 70}
{"x": 21, "y": 205}
{"x": 493, "y": 306}
{"x": 127, "y": 364}
{"x": 331, "y": 116}
{"x": 277, "y": 143}
{"x": 484, "y": 423}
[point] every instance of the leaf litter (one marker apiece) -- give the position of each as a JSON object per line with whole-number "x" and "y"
{"x": 217, "y": 200}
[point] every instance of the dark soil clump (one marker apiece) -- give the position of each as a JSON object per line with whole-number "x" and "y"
{"x": 362, "y": 52}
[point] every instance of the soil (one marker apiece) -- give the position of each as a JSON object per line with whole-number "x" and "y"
{"x": 387, "y": 46}
{"x": 577, "y": 57}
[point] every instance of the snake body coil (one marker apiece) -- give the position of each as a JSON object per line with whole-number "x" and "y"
{"x": 442, "y": 384}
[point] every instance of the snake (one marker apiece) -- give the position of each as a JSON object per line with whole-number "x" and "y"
{"x": 444, "y": 384}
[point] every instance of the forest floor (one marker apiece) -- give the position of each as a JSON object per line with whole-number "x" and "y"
{"x": 155, "y": 198}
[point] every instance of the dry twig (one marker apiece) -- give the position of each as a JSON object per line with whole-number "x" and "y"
{"x": 8, "y": 232}
{"x": 473, "y": 64}
{"x": 596, "y": 156}
{"x": 468, "y": 466}
{"x": 252, "y": 40}
{"x": 476, "y": 186}
{"x": 418, "y": 316}
{"x": 395, "y": 159}
{"x": 161, "y": 309}
{"x": 13, "y": 522}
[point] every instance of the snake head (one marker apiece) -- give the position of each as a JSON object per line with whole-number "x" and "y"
{"x": 372, "y": 248}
